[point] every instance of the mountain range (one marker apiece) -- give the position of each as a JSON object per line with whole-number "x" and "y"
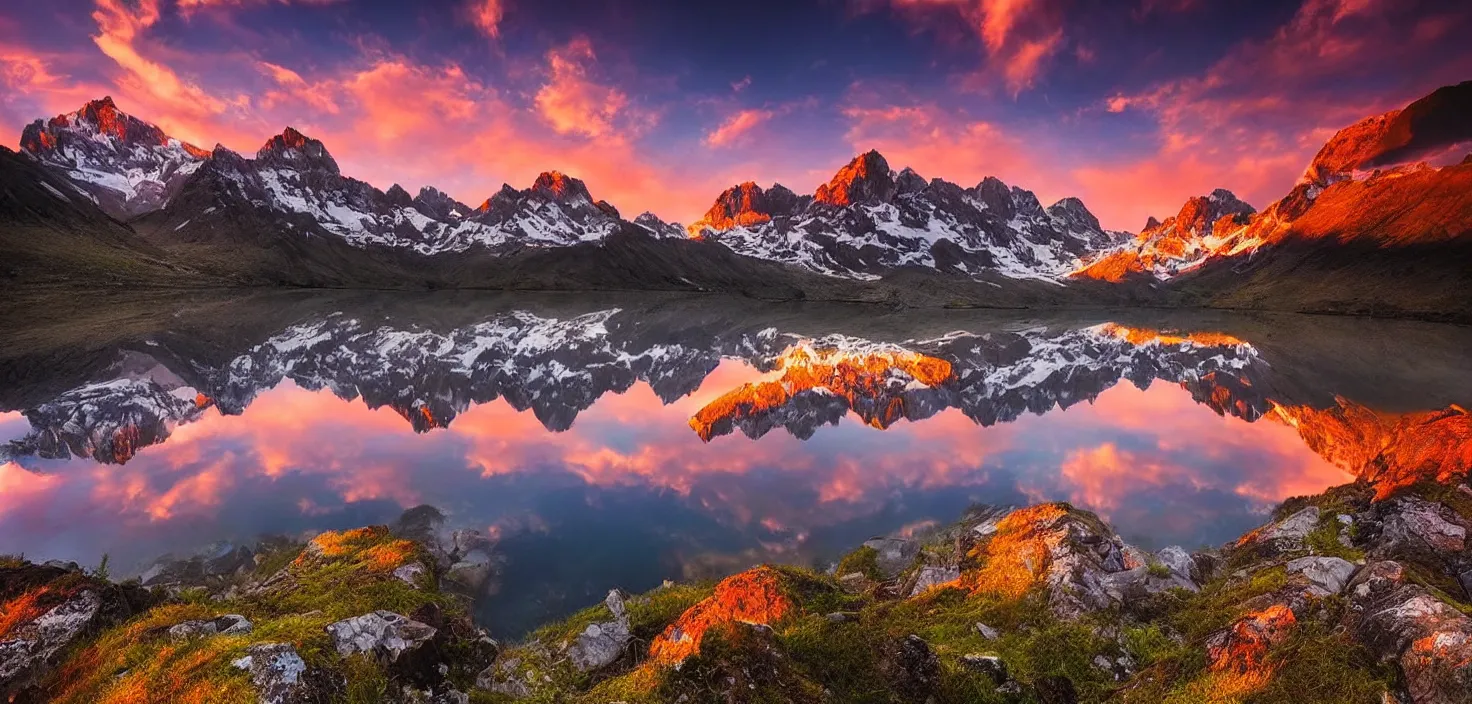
{"x": 1380, "y": 223}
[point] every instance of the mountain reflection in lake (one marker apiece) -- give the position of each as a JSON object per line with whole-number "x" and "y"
{"x": 621, "y": 443}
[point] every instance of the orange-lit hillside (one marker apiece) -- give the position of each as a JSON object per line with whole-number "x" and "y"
{"x": 852, "y": 376}
{"x": 1390, "y": 451}
{"x": 755, "y": 596}
{"x": 1145, "y": 336}
{"x": 1018, "y": 555}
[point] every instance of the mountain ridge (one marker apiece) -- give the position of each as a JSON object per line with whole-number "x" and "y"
{"x": 289, "y": 216}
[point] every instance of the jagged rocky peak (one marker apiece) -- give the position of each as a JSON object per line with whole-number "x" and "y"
{"x": 1201, "y": 213}
{"x": 398, "y": 197}
{"x": 997, "y": 196}
{"x": 128, "y": 166}
{"x": 909, "y": 182}
{"x": 658, "y": 227}
{"x": 1073, "y": 212}
{"x": 297, "y": 151}
{"x": 562, "y": 188}
{"x": 747, "y": 205}
{"x": 439, "y": 205}
{"x": 98, "y": 118}
{"x": 867, "y": 180}
{"x": 1151, "y": 223}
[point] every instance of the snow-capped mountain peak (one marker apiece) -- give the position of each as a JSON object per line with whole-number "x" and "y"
{"x": 867, "y": 180}
{"x": 298, "y": 151}
{"x": 868, "y": 221}
{"x": 126, "y": 165}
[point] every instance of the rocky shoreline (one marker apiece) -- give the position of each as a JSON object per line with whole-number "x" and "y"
{"x": 1342, "y": 597}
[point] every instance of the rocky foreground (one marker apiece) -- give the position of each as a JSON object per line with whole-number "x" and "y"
{"x": 1343, "y": 597}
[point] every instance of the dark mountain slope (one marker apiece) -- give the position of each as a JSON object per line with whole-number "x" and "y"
{"x": 53, "y": 233}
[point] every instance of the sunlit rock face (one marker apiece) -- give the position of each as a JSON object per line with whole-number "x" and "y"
{"x": 819, "y": 385}
{"x": 1389, "y": 451}
{"x": 1373, "y": 181}
{"x": 128, "y": 166}
{"x": 1203, "y": 227}
{"x": 868, "y": 221}
{"x": 757, "y": 596}
{"x": 991, "y": 379}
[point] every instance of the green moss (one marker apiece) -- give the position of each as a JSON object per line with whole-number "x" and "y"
{"x": 1324, "y": 539}
{"x": 865, "y": 561}
{"x": 1148, "y": 644}
{"x": 1157, "y": 569}
{"x": 650, "y": 614}
{"x": 366, "y": 681}
{"x": 1317, "y": 666}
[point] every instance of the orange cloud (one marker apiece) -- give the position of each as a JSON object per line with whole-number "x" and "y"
{"x": 570, "y": 101}
{"x": 294, "y": 87}
{"x": 737, "y": 125}
{"x": 120, "y": 25}
{"x": 1018, "y": 35}
{"x": 486, "y": 15}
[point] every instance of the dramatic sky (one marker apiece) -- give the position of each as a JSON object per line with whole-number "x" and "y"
{"x": 1132, "y": 105}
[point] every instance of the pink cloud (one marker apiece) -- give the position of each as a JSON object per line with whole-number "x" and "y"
{"x": 736, "y": 126}
{"x": 1019, "y": 36}
{"x": 486, "y": 15}
{"x": 570, "y": 101}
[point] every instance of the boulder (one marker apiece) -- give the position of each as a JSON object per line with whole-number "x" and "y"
{"x": 227, "y": 625}
{"x": 413, "y": 574}
{"x": 277, "y": 672}
{"x": 384, "y": 634}
{"x": 1178, "y": 560}
{"x": 602, "y": 644}
{"x": 1326, "y": 575}
{"x": 1413, "y": 521}
{"x": 989, "y": 665}
{"x": 911, "y": 668}
{"x": 1402, "y": 622}
{"x": 502, "y": 678}
{"x": 895, "y": 554}
{"x": 1283, "y": 536}
{"x": 988, "y": 632}
{"x": 29, "y": 650}
{"x": 931, "y": 577}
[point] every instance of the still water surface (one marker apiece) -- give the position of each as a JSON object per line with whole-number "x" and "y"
{"x": 604, "y": 445}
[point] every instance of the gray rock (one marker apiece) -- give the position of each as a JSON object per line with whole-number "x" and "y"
{"x": 602, "y": 644}
{"x": 385, "y": 634}
{"x": 30, "y": 650}
{"x": 1133, "y": 584}
{"x": 842, "y": 617}
{"x": 1326, "y": 575}
{"x": 931, "y": 577}
{"x": 1178, "y": 560}
{"x": 1134, "y": 557}
{"x": 989, "y": 665}
{"x": 412, "y": 574}
{"x": 277, "y": 672}
{"x": 1415, "y": 520}
{"x": 895, "y": 554}
{"x": 988, "y": 632}
{"x": 853, "y": 582}
{"x": 501, "y": 678}
{"x": 1296, "y": 526}
{"x": 227, "y": 625}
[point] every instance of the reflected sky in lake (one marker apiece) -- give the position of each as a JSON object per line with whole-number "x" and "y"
{"x": 1173, "y": 439}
